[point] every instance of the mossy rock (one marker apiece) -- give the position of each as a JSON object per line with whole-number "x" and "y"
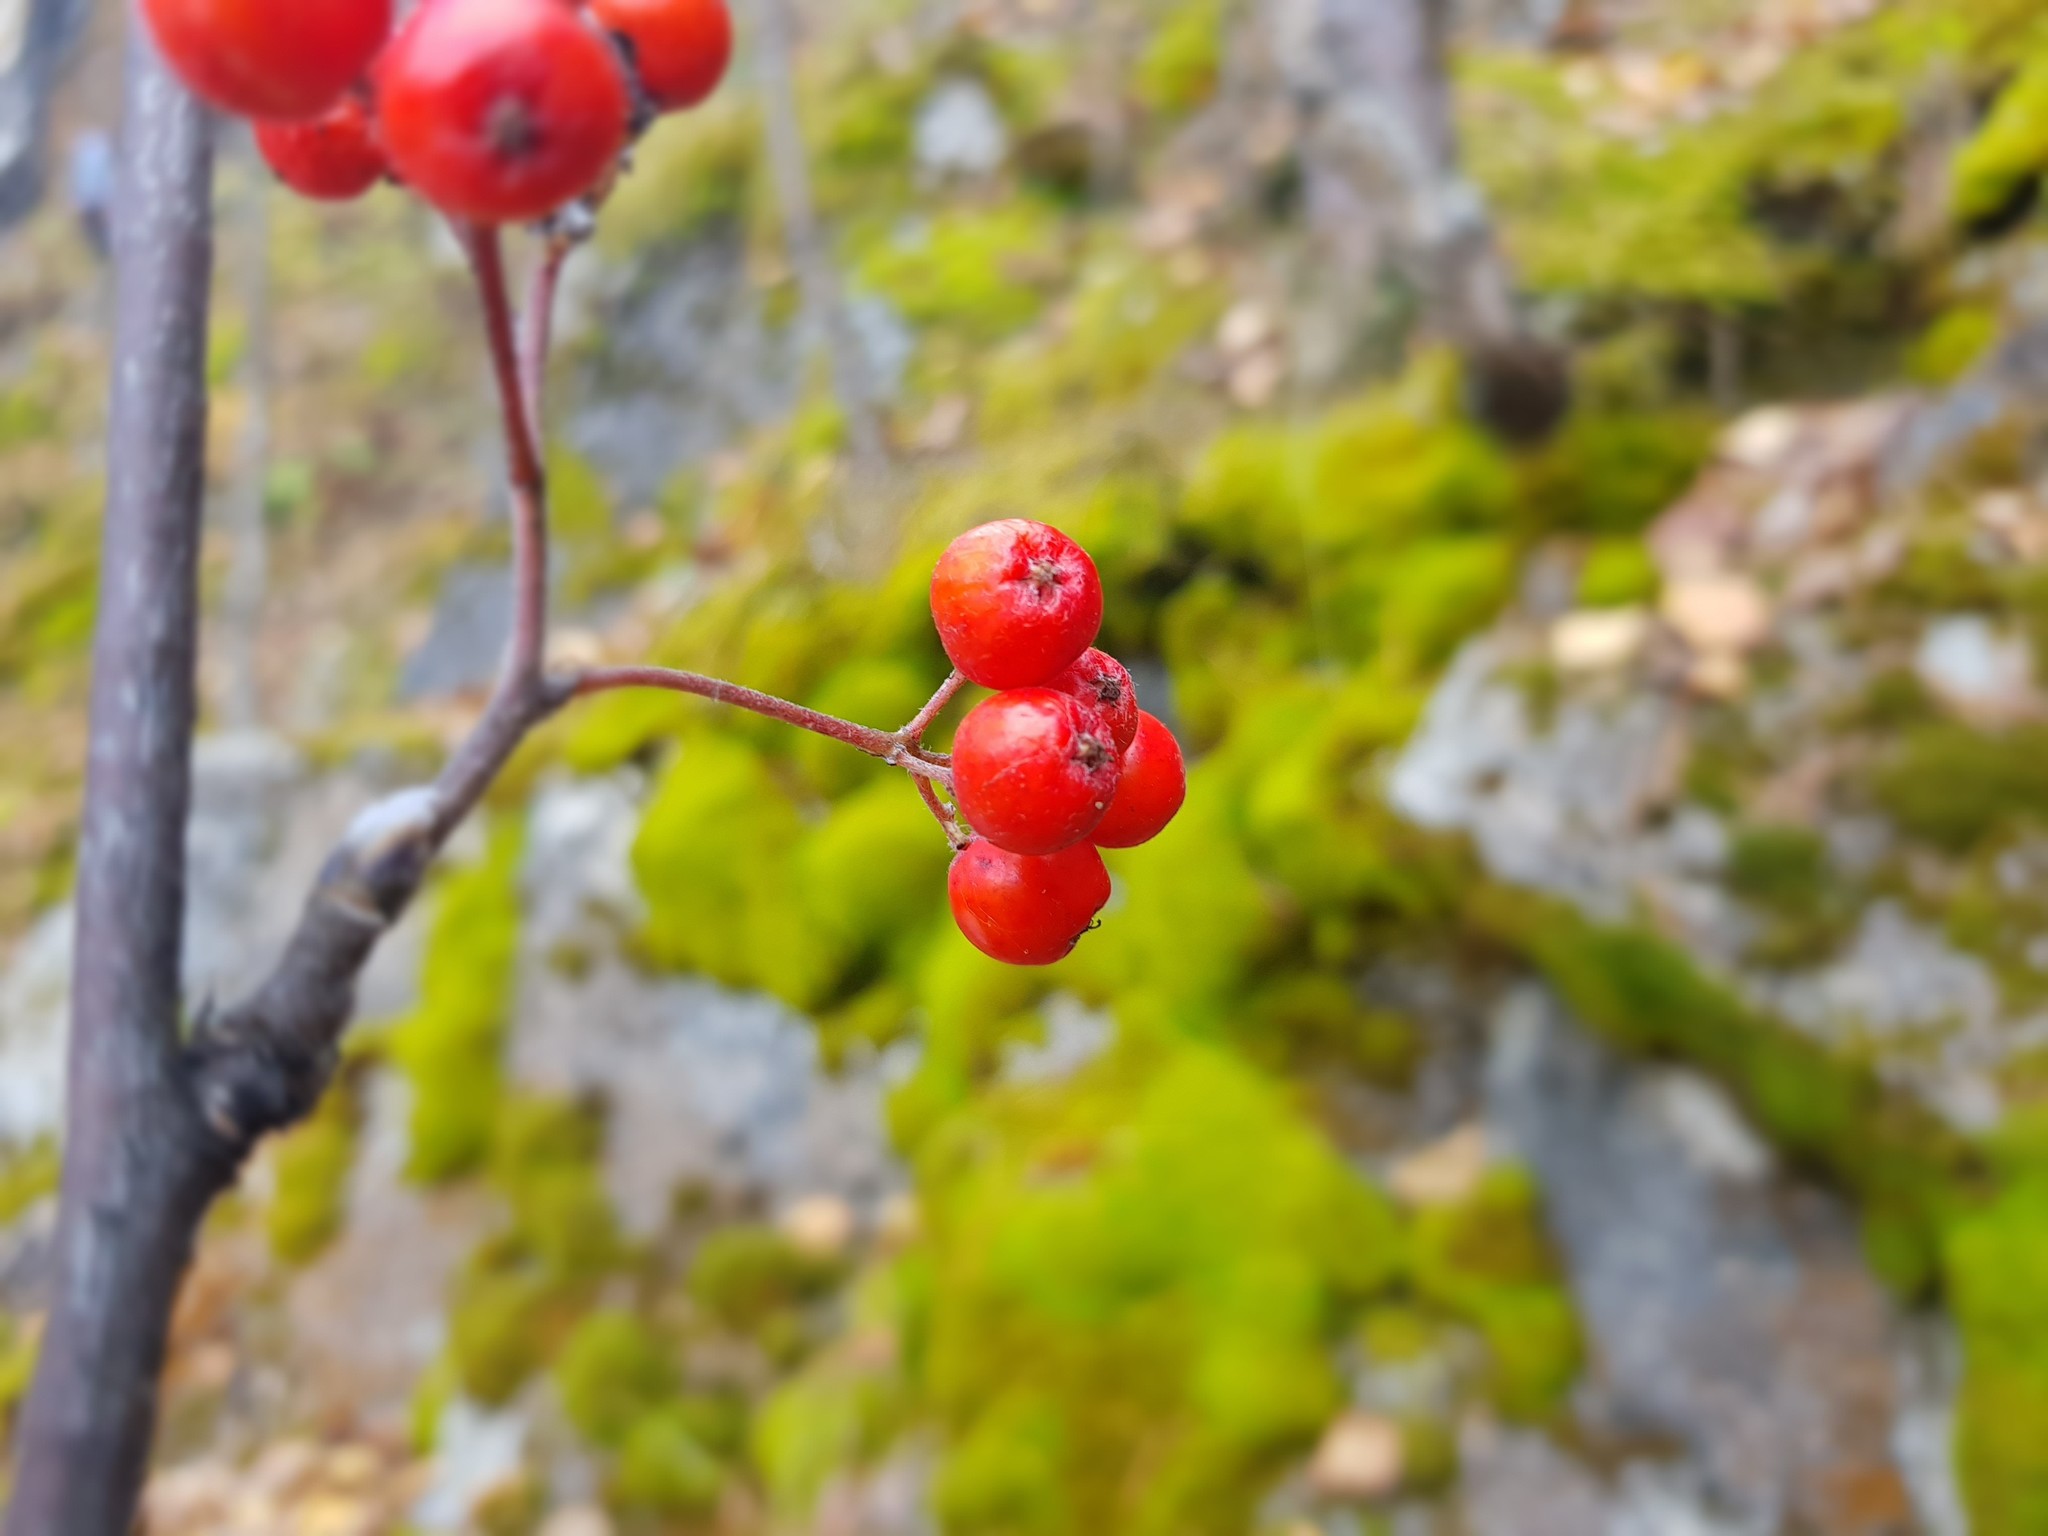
{"x": 1994, "y": 175}
{"x": 612, "y": 1371}
{"x": 1618, "y": 573}
{"x": 1155, "y": 1252}
{"x": 742, "y": 1277}
{"x": 1996, "y": 1264}
{"x": 984, "y": 272}
{"x": 1183, "y": 60}
{"x": 1955, "y": 787}
{"x": 309, "y": 1203}
{"x": 1488, "y": 1260}
{"x": 663, "y": 1469}
{"x": 449, "y": 1046}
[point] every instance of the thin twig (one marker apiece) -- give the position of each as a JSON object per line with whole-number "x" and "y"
{"x": 949, "y": 690}
{"x": 955, "y": 833}
{"x": 886, "y": 745}
{"x": 522, "y": 446}
{"x": 539, "y": 334}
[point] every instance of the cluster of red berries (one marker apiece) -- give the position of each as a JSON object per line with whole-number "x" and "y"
{"x": 495, "y": 111}
{"x": 1061, "y": 762}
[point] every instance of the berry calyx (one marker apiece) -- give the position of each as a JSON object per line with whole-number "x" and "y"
{"x": 331, "y": 159}
{"x": 501, "y": 110}
{"x": 1100, "y": 681}
{"x": 1026, "y": 910}
{"x": 1034, "y": 770}
{"x": 1150, "y": 791}
{"x": 680, "y": 48}
{"x": 1015, "y": 603}
{"x": 284, "y": 59}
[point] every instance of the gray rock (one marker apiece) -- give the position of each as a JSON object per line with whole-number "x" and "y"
{"x": 475, "y": 1452}
{"x": 466, "y": 645}
{"x": 1726, "y": 1313}
{"x": 1556, "y": 810}
{"x": 690, "y": 365}
{"x": 35, "y": 1019}
{"x": 1074, "y": 1036}
{"x": 577, "y": 882}
{"x": 1519, "y": 1484}
{"x": 1976, "y": 666}
{"x": 959, "y": 131}
{"x": 704, "y": 1085}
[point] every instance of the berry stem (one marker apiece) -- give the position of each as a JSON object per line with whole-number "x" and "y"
{"x": 889, "y": 746}
{"x": 949, "y": 690}
{"x": 955, "y": 833}
{"x": 538, "y": 339}
{"x": 522, "y": 447}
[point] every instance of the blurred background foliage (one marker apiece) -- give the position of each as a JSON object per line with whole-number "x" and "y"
{"x": 1132, "y": 1294}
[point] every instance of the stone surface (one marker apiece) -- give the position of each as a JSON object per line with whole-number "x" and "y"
{"x": 35, "y": 1002}
{"x": 1978, "y": 668}
{"x": 1599, "y": 640}
{"x": 1359, "y": 1458}
{"x": 960, "y": 131}
{"x": 1720, "y": 614}
{"x": 703, "y": 1085}
{"x": 1732, "y": 1317}
{"x": 1444, "y": 1172}
{"x": 466, "y": 644}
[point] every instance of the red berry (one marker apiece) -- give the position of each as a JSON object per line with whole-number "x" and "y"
{"x": 1099, "y": 680}
{"x": 501, "y": 110}
{"x": 269, "y": 58}
{"x": 332, "y": 158}
{"x": 680, "y": 47}
{"x": 1033, "y": 770}
{"x": 1023, "y": 910}
{"x": 1151, "y": 791}
{"x": 1015, "y": 602}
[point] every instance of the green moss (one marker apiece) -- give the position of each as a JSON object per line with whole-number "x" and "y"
{"x": 1183, "y": 60}
{"x": 742, "y": 1277}
{"x": 1311, "y": 1018}
{"x": 501, "y": 1327}
{"x": 20, "y": 1344}
{"x": 1125, "y": 324}
{"x": 1618, "y": 573}
{"x": 838, "y": 1413}
{"x": 872, "y": 875}
{"x": 310, "y": 1203}
{"x": 1996, "y": 1264}
{"x": 545, "y": 1159}
{"x": 1437, "y": 593}
{"x": 1895, "y": 701}
{"x": 2008, "y": 152}
{"x": 449, "y": 1046}
{"x": 1154, "y": 1253}
{"x": 1783, "y": 872}
{"x": 1955, "y": 787}
{"x": 522, "y": 1292}
{"x": 615, "y": 728}
{"x": 613, "y": 1370}
{"x": 1643, "y": 995}
{"x": 431, "y": 1395}
{"x": 713, "y": 858}
{"x": 982, "y": 272}
{"x": 687, "y": 174}
{"x": 663, "y": 1469}
{"x": 883, "y": 691}
{"x": 1611, "y": 472}
{"x": 1488, "y": 1261}
{"x": 1395, "y": 1333}
{"x": 28, "y": 1178}
{"x": 1954, "y": 344}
